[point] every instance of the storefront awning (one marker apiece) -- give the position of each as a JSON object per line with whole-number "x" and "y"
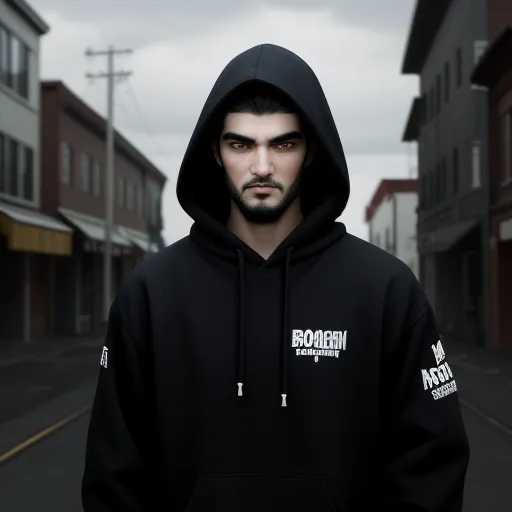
{"x": 93, "y": 228}
{"x": 29, "y": 230}
{"x": 445, "y": 238}
{"x": 137, "y": 238}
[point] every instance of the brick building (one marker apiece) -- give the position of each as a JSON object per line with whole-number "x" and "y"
{"x": 494, "y": 71}
{"x": 72, "y": 187}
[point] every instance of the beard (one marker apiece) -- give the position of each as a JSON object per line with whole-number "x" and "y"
{"x": 263, "y": 213}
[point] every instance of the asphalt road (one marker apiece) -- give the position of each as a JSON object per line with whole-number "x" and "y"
{"x": 46, "y": 477}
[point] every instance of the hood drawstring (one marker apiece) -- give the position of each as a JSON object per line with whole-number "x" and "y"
{"x": 241, "y": 325}
{"x": 286, "y": 316}
{"x": 241, "y": 321}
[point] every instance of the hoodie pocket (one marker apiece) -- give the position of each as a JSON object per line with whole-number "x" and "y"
{"x": 250, "y": 493}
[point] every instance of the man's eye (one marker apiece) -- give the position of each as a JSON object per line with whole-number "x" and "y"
{"x": 238, "y": 145}
{"x": 284, "y": 145}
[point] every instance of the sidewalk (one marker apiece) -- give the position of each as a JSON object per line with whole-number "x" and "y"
{"x": 14, "y": 352}
{"x": 484, "y": 380}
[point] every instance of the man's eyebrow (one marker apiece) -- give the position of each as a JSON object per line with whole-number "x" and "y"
{"x": 275, "y": 140}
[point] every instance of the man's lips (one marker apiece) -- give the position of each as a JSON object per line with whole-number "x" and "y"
{"x": 263, "y": 189}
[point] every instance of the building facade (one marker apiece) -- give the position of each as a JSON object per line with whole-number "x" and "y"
{"x": 495, "y": 72}
{"x": 449, "y": 120}
{"x": 73, "y": 187}
{"x": 30, "y": 242}
{"x": 391, "y": 219}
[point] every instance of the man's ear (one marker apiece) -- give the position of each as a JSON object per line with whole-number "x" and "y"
{"x": 311, "y": 152}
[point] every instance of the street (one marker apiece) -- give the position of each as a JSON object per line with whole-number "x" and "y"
{"x": 46, "y": 476}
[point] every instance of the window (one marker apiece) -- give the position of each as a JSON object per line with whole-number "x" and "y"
{"x": 5, "y": 54}
{"x": 14, "y": 75}
{"x": 458, "y": 67}
{"x": 24, "y": 89}
{"x": 446, "y": 81}
{"x": 66, "y": 164}
{"x": 14, "y": 63}
{"x": 14, "y": 162}
{"x": 433, "y": 188}
{"x": 507, "y": 147}
{"x": 16, "y": 168}
{"x": 28, "y": 174}
{"x": 121, "y": 192}
{"x": 455, "y": 171}
{"x": 97, "y": 179}
{"x": 130, "y": 197}
{"x": 389, "y": 244}
{"x": 479, "y": 48}
{"x": 476, "y": 164}
{"x": 86, "y": 172}
{"x": 438, "y": 94}
{"x": 443, "y": 180}
{"x": 3, "y": 163}
{"x": 140, "y": 201}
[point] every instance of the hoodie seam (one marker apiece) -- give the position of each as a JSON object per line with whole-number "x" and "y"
{"x": 416, "y": 318}
{"x": 117, "y": 314}
{"x": 258, "y": 62}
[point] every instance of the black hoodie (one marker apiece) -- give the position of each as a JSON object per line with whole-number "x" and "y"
{"x": 310, "y": 381}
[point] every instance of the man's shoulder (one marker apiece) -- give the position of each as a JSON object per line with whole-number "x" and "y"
{"x": 160, "y": 265}
{"x": 370, "y": 258}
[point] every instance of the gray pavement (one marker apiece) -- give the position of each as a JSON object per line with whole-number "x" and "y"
{"x": 46, "y": 477}
{"x": 484, "y": 380}
{"x": 489, "y": 478}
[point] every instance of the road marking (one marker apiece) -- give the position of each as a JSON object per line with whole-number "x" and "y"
{"x": 42, "y": 434}
{"x": 485, "y": 416}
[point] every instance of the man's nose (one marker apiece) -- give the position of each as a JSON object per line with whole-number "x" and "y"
{"x": 262, "y": 166}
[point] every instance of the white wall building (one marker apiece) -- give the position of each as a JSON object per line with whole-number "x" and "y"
{"x": 20, "y": 31}
{"x": 391, "y": 217}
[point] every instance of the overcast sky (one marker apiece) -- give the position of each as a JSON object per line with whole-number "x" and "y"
{"x": 180, "y": 46}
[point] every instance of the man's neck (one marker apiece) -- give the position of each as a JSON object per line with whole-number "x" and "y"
{"x": 264, "y": 238}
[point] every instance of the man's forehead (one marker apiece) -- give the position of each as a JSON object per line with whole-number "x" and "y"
{"x": 265, "y": 125}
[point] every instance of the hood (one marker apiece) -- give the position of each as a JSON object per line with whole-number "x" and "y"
{"x": 325, "y": 185}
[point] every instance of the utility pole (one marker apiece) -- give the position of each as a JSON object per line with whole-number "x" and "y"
{"x": 110, "y": 75}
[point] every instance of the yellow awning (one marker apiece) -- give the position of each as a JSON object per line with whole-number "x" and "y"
{"x": 32, "y": 231}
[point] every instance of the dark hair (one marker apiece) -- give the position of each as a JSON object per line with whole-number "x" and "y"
{"x": 260, "y": 99}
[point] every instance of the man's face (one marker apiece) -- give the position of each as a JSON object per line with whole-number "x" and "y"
{"x": 263, "y": 157}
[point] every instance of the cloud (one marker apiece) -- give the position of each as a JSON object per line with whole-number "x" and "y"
{"x": 174, "y": 70}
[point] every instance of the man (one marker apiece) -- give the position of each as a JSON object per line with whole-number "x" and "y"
{"x": 270, "y": 360}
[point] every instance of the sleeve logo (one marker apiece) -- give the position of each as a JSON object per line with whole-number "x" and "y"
{"x": 439, "y": 379}
{"x": 104, "y": 357}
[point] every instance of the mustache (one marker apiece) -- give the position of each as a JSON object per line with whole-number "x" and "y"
{"x": 265, "y": 182}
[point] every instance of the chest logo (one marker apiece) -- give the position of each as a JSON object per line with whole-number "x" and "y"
{"x": 319, "y": 343}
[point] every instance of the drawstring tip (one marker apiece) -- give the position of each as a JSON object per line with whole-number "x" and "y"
{"x": 240, "y": 392}
{"x": 283, "y": 403}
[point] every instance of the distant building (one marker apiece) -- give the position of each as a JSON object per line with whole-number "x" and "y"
{"x": 449, "y": 121}
{"x": 73, "y": 188}
{"x": 391, "y": 218}
{"x": 29, "y": 240}
{"x": 495, "y": 72}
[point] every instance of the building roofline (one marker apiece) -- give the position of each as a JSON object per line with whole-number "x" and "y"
{"x": 29, "y": 15}
{"x": 495, "y": 62}
{"x": 86, "y": 115}
{"x": 388, "y": 187}
{"x": 412, "y": 126}
{"x": 426, "y": 20}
